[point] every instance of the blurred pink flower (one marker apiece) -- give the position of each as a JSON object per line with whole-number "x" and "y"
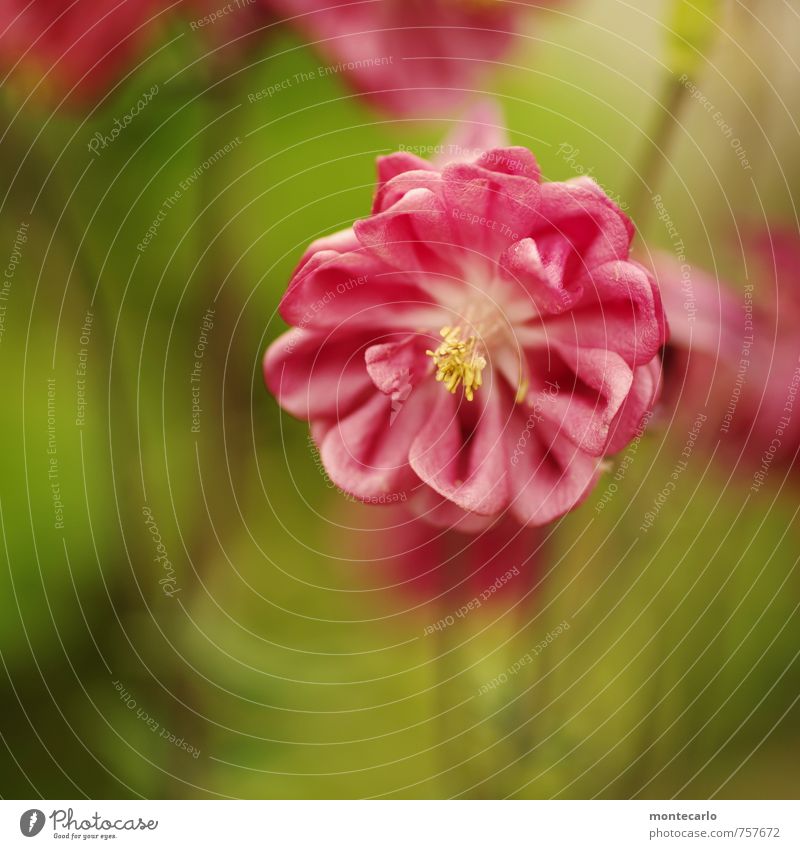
{"x": 230, "y": 30}
{"x": 437, "y": 563}
{"x": 479, "y": 343}
{"x": 408, "y": 56}
{"x": 736, "y": 356}
{"x": 73, "y": 48}
{"x": 774, "y": 404}
{"x": 706, "y": 323}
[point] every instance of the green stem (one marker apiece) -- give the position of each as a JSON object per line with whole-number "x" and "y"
{"x": 655, "y": 157}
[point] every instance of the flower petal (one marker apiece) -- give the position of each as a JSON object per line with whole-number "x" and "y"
{"x": 704, "y": 314}
{"x": 316, "y": 373}
{"x": 397, "y": 366}
{"x": 357, "y": 288}
{"x": 590, "y": 394}
{"x": 492, "y": 202}
{"x": 549, "y": 475}
{"x": 620, "y": 310}
{"x": 413, "y": 235}
{"x": 397, "y": 187}
{"x": 460, "y": 451}
{"x": 443, "y": 513}
{"x": 630, "y": 419}
{"x": 366, "y": 453}
{"x": 523, "y": 267}
{"x": 399, "y": 162}
{"x": 578, "y": 212}
{"x": 409, "y": 58}
{"x": 342, "y": 242}
{"x": 481, "y": 129}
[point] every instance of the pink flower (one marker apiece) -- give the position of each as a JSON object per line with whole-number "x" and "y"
{"x": 428, "y": 563}
{"x": 408, "y": 55}
{"x": 706, "y": 323}
{"x": 229, "y": 32}
{"x": 774, "y": 403}
{"x": 477, "y": 344}
{"x": 736, "y": 357}
{"x": 73, "y": 48}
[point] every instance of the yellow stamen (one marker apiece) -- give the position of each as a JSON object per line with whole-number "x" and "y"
{"x": 457, "y": 362}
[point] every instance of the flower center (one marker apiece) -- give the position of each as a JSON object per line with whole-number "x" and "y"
{"x": 458, "y": 362}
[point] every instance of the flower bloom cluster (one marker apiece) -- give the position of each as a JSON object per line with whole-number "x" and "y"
{"x": 485, "y": 287}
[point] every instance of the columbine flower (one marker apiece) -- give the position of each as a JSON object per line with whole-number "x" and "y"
{"x": 735, "y": 356}
{"x": 477, "y": 344}
{"x": 77, "y": 48}
{"x": 428, "y": 563}
{"x": 407, "y": 55}
{"x": 775, "y": 401}
{"x": 706, "y": 323}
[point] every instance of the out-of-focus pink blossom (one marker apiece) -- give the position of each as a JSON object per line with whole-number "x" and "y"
{"x": 228, "y": 31}
{"x": 428, "y": 563}
{"x": 706, "y": 323}
{"x": 409, "y": 56}
{"x": 74, "y": 48}
{"x": 477, "y": 344}
{"x": 768, "y": 423}
{"x": 735, "y": 356}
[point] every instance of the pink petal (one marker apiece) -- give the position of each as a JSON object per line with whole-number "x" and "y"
{"x": 399, "y": 162}
{"x": 493, "y": 201}
{"x": 430, "y": 563}
{"x": 408, "y": 59}
{"x": 460, "y": 450}
{"x": 366, "y": 453}
{"x": 395, "y": 367}
{"x": 316, "y": 373}
{"x": 522, "y": 266}
{"x": 580, "y": 213}
{"x": 355, "y": 288}
{"x": 629, "y": 421}
{"x": 481, "y": 129}
{"x": 589, "y": 396}
{"x": 443, "y": 513}
{"x": 549, "y": 475}
{"x": 413, "y": 235}
{"x": 395, "y": 189}
{"x": 342, "y": 242}
{"x": 620, "y": 310}
{"x": 392, "y": 166}
{"x": 76, "y": 50}
{"x": 704, "y": 314}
